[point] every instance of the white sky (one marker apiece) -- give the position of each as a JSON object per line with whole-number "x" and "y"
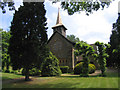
{"x": 92, "y": 28}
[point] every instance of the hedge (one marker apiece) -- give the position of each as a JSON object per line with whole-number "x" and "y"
{"x": 64, "y": 69}
{"x": 79, "y": 67}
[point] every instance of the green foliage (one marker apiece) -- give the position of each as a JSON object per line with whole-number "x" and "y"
{"x": 51, "y": 66}
{"x": 85, "y": 5}
{"x": 64, "y": 69}
{"x": 32, "y": 72}
{"x": 5, "y": 56}
{"x": 84, "y": 49}
{"x": 92, "y": 68}
{"x": 102, "y": 55}
{"x": 73, "y": 38}
{"x": 79, "y": 68}
{"x": 28, "y": 37}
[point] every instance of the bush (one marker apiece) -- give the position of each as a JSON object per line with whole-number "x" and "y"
{"x": 79, "y": 67}
{"x": 32, "y": 72}
{"x": 64, "y": 69}
{"x": 92, "y": 68}
{"x": 51, "y": 66}
{"x": 7, "y": 71}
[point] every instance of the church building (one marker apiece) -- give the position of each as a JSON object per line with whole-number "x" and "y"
{"x": 63, "y": 48}
{"x": 60, "y": 46}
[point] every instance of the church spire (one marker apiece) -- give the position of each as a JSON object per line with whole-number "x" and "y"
{"x": 59, "y": 20}
{"x": 59, "y": 27}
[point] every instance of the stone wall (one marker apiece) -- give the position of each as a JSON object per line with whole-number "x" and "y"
{"x": 62, "y": 49}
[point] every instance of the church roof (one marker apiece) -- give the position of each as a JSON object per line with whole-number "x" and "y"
{"x": 59, "y": 21}
{"x": 62, "y": 36}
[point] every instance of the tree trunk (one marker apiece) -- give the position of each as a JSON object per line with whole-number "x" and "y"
{"x": 27, "y": 74}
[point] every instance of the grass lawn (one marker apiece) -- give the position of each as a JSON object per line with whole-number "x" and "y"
{"x": 7, "y": 76}
{"x": 67, "y": 81}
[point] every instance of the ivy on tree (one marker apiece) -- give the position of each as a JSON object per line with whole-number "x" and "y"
{"x": 28, "y": 37}
{"x": 102, "y": 55}
{"x": 84, "y": 49}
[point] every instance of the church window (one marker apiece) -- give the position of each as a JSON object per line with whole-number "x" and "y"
{"x": 60, "y": 61}
{"x": 63, "y": 61}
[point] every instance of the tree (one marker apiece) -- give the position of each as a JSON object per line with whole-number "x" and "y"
{"x": 71, "y": 6}
{"x": 5, "y": 36}
{"x": 73, "y": 38}
{"x": 51, "y": 66}
{"x": 114, "y": 51}
{"x": 102, "y": 55}
{"x": 85, "y": 5}
{"x": 5, "y": 56}
{"x": 1, "y": 48}
{"x": 28, "y": 37}
{"x": 85, "y": 50}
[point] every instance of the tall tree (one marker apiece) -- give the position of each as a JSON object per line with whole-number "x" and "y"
{"x": 73, "y": 38}
{"x": 85, "y": 50}
{"x": 28, "y": 36}
{"x": 115, "y": 44}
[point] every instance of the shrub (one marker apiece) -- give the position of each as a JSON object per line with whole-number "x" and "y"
{"x": 51, "y": 66}
{"x": 32, "y": 72}
{"x": 92, "y": 68}
{"x": 79, "y": 67}
{"x": 7, "y": 71}
{"x": 64, "y": 69}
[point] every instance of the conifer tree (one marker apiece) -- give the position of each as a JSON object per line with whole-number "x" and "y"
{"x": 28, "y": 36}
{"x": 51, "y": 66}
{"x": 114, "y": 51}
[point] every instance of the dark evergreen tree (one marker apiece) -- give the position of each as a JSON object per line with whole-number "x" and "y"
{"x": 51, "y": 66}
{"x": 114, "y": 52}
{"x": 28, "y": 36}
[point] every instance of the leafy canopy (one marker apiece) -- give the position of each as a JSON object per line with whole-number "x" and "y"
{"x": 73, "y": 6}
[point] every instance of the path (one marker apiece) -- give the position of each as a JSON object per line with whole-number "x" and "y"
{"x": 97, "y": 72}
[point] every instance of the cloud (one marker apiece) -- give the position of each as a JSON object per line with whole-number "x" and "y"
{"x": 96, "y": 27}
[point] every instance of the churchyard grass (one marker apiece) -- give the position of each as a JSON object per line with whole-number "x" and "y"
{"x": 7, "y": 76}
{"x": 67, "y": 81}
